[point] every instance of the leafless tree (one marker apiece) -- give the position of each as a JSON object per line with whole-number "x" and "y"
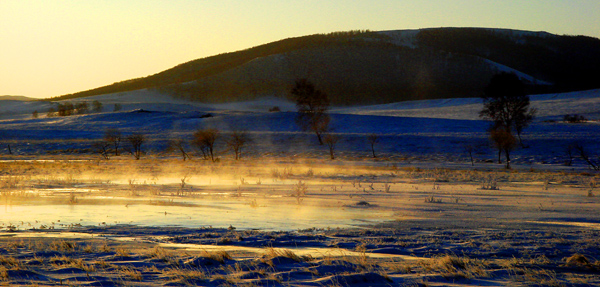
{"x": 96, "y": 106}
{"x": 135, "y": 144}
{"x": 65, "y": 110}
{"x": 237, "y": 140}
{"x": 331, "y": 140}
{"x": 569, "y": 152}
{"x": 373, "y": 139}
{"x": 504, "y": 142}
{"x": 179, "y": 145}
{"x": 9, "y": 149}
{"x": 469, "y": 148}
{"x": 82, "y": 108}
{"x": 113, "y": 136}
{"x": 506, "y": 103}
{"x": 205, "y": 141}
{"x": 579, "y": 148}
{"x": 103, "y": 148}
{"x": 312, "y": 106}
{"x": 51, "y": 112}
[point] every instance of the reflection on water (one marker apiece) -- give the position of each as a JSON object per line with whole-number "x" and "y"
{"x": 191, "y": 213}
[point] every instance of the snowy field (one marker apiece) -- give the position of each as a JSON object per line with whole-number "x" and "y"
{"x": 285, "y": 214}
{"x": 430, "y": 131}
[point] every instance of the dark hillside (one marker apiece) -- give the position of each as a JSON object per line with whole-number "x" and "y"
{"x": 571, "y": 62}
{"x": 209, "y": 66}
{"x": 361, "y": 67}
{"x": 349, "y": 74}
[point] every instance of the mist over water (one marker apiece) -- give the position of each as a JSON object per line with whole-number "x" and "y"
{"x": 186, "y": 213}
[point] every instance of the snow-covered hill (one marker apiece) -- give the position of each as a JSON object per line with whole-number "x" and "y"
{"x": 419, "y": 130}
{"x": 548, "y": 106}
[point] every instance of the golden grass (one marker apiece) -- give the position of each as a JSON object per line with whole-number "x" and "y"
{"x": 451, "y": 266}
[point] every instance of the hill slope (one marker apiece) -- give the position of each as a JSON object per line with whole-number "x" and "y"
{"x": 381, "y": 67}
{"x": 15, "y": 98}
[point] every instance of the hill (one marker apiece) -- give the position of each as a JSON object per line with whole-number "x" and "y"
{"x": 15, "y": 98}
{"x": 363, "y": 67}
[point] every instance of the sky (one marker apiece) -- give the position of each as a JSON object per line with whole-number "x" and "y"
{"x": 50, "y": 48}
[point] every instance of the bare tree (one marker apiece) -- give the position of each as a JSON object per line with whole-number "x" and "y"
{"x": 584, "y": 155}
{"x": 312, "y": 106}
{"x": 9, "y": 149}
{"x": 103, "y": 148}
{"x": 522, "y": 121}
{"x": 96, "y": 106}
{"x": 504, "y": 142}
{"x": 82, "y": 108}
{"x": 506, "y": 103}
{"x": 469, "y": 148}
{"x": 205, "y": 140}
{"x": 331, "y": 140}
{"x": 51, "y": 112}
{"x": 65, "y": 110}
{"x": 135, "y": 144}
{"x": 569, "y": 151}
{"x": 113, "y": 136}
{"x": 179, "y": 145}
{"x": 373, "y": 139}
{"x": 237, "y": 140}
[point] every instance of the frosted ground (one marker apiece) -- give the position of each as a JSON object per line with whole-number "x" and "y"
{"x": 418, "y": 131}
{"x": 286, "y": 215}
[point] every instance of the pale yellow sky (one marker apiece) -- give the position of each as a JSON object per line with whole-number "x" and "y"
{"x": 50, "y": 47}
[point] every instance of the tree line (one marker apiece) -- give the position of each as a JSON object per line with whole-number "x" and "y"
{"x": 505, "y": 104}
{"x": 114, "y": 143}
{"x": 66, "y": 109}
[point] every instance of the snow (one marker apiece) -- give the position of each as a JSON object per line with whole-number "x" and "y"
{"x": 517, "y": 222}
{"x": 524, "y": 77}
{"x": 423, "y": 130}
{"x": 406, "y": 38}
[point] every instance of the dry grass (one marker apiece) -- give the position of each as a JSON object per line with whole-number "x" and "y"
{"x": 9, "y": 262}
{"x": 271, "y": 253}
{"x": 4, "y": 273}
{"x": 578, "y": 260}
{"x": 161, "y": 254}
{"x": 122, "y": 252}
{"x": 184, "y": 275}
{"x": 219, "y": 256}
{"x": 451, "y": 266}
{"x": 132, "y": 273}
{"x": 536, "y": 277}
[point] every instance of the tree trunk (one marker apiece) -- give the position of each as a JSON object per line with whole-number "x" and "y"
{"x": 471, "y": 155}
{"x": 320, "y": 139}
{"x": 499, "y": 156}
{"x": 507, "y": 152}
{"x": 373, "y": 150}
{"x": 519, "y": 137}
{"x": 184, "y": 155}
{"x": 9, "y": 150}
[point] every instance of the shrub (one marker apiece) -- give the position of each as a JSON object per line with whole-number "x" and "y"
{"x": 574, "y": 119}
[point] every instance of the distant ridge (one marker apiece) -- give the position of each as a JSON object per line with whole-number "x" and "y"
{"x": 365, "y": 67}
{"x": 16, "y": 98}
